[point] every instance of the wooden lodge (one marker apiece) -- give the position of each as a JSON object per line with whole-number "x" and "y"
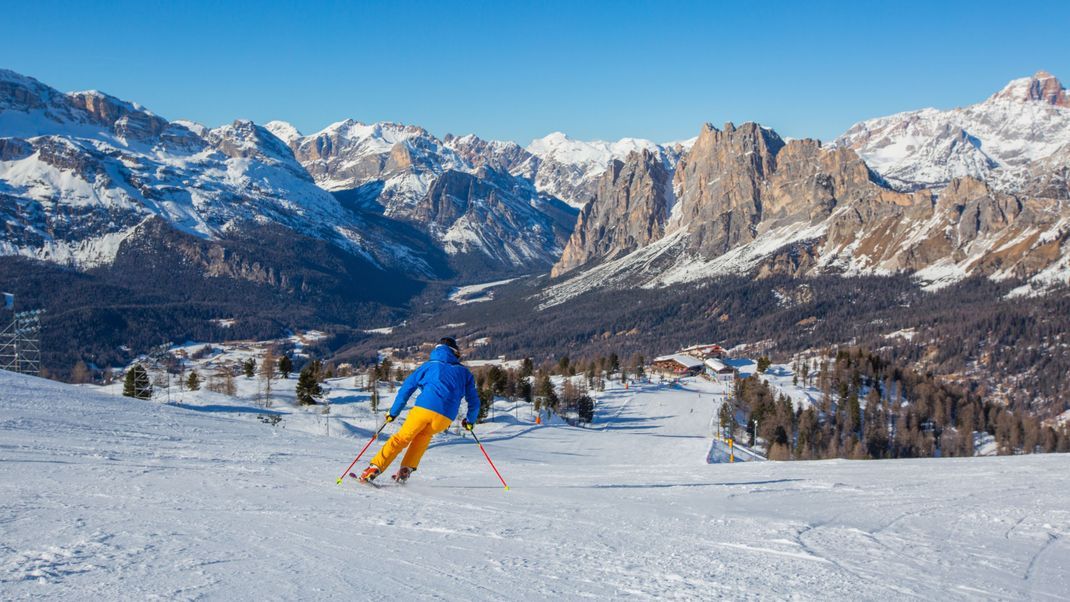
{"x": 678, "y": 364}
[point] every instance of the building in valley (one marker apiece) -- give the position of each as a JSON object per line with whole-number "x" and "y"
{"x": 678, "y": 364}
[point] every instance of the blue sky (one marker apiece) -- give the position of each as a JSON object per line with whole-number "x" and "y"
{"x": 521, "y": 70}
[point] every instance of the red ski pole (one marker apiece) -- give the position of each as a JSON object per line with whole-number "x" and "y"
{"x": 488, "y": 459}
{"x": 369, "y": 444}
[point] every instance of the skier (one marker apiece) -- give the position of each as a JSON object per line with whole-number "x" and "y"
{"x": 442, "y": 381}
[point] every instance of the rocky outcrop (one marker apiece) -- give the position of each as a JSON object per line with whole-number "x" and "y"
{"x": 746, "y": 202}
{"x": 1041, "y": 87}
{"x": 488, "y": 218}
{"x": 570, "y": 169}
{"x": 498, "y": 155}
{"x": 630, "y": 208}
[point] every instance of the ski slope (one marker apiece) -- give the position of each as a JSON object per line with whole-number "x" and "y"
{"x": 107, "y": 498}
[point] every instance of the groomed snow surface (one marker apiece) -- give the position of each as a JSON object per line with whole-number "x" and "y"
{"x": 108, "y": 498}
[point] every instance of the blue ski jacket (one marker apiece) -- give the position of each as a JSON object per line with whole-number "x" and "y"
{"x": 442, "y": 381}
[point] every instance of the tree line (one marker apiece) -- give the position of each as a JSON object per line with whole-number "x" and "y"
{"x": 876, "y": 407}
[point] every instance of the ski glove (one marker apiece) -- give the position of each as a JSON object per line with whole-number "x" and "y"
{"x": 467, "y": 425}
{"x": 390, "y": 417}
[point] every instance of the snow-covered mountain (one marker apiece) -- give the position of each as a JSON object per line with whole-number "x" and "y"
{"x": 998, "y": 140}
{"x": 80, "y": 171}
{"x": 745, "y": 201}
{"x": 469, "y": 194}
{"x": 570, "y": 169}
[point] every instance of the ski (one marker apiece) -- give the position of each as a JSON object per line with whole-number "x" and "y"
{"x": 370, "y": 483}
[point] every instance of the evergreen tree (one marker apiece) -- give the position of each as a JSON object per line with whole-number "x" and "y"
{"x": 527, "y": 368}
{"x": 486, "y": 398}
{"x": 308, "y": 387}
{"x": 249, "y": 367}
{"x": 136, "y": 383}
{"x": 727, "y": 418}
{"x": 585, "y": 409}
{"x": 384, "y": 369}
{"x": 194, "y": 381}
{"x": 286, "y": 366}
{"x": 562, "y": 365}
{"x": 544, "y": 388}
{"x": 763, "y": 364}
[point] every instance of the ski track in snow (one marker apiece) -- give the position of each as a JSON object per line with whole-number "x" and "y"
{"x": 111, "y": 498}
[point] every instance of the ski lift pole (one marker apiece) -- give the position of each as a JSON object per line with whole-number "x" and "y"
{"x": 366, "y": 446}
{"x": 482, "y": 449}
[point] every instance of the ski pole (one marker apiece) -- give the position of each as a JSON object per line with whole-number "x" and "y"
{"x": 372, "y": 440}
{"x": 482, "y": 449}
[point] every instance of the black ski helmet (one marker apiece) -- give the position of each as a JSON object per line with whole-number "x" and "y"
{"x": 451, "y": 343}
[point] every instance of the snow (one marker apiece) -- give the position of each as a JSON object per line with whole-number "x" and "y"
{"x": 283, "y": 130}
{"x": 649, "y": 267}
{"x": 107, "y": 497}
{"x": 683, "y": 359}
{"x": 986, "y": 140}
{"x": 781, "y": 377}
{"x": 907, "y": 334}
{"x": 475, "y": 293}
{"x": 383, "y": 330}
{"x": 568, "y": 168}
{"x": 591, "y": 154}
{"x": 113, "y": 498}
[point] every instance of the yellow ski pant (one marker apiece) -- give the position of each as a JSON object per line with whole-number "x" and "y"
{"x": 415, "y": 434}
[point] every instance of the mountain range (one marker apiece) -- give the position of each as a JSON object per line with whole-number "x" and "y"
{"x": 89, "y": 182}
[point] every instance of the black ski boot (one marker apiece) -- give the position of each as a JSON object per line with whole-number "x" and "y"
{"x": 403, "y": 475}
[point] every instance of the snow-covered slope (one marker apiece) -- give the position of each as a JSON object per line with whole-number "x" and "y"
{"x": 107, "y": 497}
{"x": 997, "y": 140}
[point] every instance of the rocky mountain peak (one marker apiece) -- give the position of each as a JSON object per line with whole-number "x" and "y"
{"x": 1003, "y": 140}
{"x": 630, "y": 208}
{"x": 22, "y": 93}
{"x": 501, "y": 155}
{"x": 1041, "y": 87}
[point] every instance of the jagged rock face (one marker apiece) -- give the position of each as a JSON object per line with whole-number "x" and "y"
{"x": 127, "y": 121}
{"x": 998, "y": 140}
{"x": 489, "y": 218}
{"x": 570, "y": 169}
{"x": 632, "y": 204}
{"x": 500, "y": 156}
{"x": 746, "y": 202}
{"x": 1042, "y": 87}
{"x": 737, "y": 184}
{"x": 731, "y": 188}
{"x": 1046, "y": 178}
{"x": 719, "y": 185}
{"x": 969, "y": 229}
{"x": 349, "y": 154}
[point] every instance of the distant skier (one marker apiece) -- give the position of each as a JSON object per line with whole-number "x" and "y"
{"x": 442, "y": 381}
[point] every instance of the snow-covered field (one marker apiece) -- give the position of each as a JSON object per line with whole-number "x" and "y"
{"x": 475, "y": 293}
{"x": 103, "y": 497}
